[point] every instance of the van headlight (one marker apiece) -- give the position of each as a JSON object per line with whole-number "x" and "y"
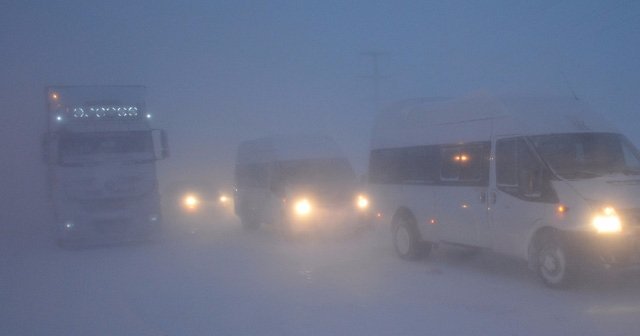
{"x": 302, "y": 207}
{"x": 607, "y": 221}
{"x": 191, "y": 202}
{"x": 362, "y": 202}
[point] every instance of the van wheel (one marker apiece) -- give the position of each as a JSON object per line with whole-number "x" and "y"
{"x": 554, "y": 263}
{"x": 407, "y": 242}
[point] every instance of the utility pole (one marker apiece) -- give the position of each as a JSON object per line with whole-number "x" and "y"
{"x": 375, "y": 75}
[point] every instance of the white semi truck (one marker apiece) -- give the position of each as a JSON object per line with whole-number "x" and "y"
{"x": 101, "y": 155}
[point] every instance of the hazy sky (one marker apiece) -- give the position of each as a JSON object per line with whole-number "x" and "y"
{"x": 219, "y": 72}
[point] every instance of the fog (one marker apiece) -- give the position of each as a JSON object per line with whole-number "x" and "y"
{"x": 220, "y": 72}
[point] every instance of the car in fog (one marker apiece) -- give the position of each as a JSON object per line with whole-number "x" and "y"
{"x": 300, "y": 183}
{"x": 195, "y": 205}
{"x": 542, "y": 179}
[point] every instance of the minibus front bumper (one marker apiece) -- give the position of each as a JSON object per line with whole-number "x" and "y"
{"x": 329, "y": 220}
{"x": 608, "y": 251}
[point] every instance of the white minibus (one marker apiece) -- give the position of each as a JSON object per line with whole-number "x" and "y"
{"x": 542, "y": 179}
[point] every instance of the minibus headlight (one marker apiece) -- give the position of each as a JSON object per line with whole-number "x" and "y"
{"x": 607, "y": 221}
{"x": 362, "y": 202}
{"x": 302, "y": 207}
{"x": 191, "y": 202}
{"x": 224, "y": 199}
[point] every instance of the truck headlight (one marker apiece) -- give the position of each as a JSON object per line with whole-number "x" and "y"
{"x": 302, "y": 207}
{"x": 223, "y": 199}
{"x": 607, "y": 221}
{"x": 362, "y": 202}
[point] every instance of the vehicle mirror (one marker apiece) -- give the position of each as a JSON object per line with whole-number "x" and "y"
{"x": 50, "y": 148}
{"x": 165, "y": 144}
{"x": 160, "y": 144}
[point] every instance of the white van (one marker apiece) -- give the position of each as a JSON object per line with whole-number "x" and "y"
{"x": 301, "y": 182}
{"x": 542, "y": 179}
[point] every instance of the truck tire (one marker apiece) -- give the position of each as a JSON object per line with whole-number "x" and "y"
{"x": 407, "y": 241}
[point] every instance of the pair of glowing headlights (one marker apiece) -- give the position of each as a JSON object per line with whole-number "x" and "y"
{"x": 303, "y": 207}
{"x": 192, "y": 202}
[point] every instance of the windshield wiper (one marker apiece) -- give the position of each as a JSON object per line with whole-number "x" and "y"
{"x": 630, "y": 171}
{"x": 583, "y": 173}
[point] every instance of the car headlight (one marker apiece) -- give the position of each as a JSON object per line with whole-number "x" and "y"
{"x": 302, "y": 207}
{"x": 191, "y": 202}
{"x": 362, "y": 202}
{"x": 607, "y": 221}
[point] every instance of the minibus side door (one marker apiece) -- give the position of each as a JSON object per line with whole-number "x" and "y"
{"x": 461, "y": 198}
{"x": 519, "y": 196}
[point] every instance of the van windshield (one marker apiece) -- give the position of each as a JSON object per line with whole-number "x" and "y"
{"x": 588, "y": 155}
{"x": 317, "y": 171}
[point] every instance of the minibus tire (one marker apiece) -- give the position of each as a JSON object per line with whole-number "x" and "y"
{"x": 407, "y": 242}
{"x": 554, "y": 262}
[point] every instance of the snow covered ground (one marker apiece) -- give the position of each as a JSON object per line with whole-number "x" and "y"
{"x": 229, "y": 282}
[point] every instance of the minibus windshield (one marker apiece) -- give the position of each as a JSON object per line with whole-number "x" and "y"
{"x": 317, "y": 171}
{"x": 588, "y": 155}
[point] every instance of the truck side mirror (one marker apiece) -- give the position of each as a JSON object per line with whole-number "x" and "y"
{"x": 164, "y": 140}
{"x": 49, "y": 148}
{"x": 160, "y": 144}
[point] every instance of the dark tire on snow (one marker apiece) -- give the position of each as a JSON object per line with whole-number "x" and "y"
{"x": 407, "y": 241}
{"x": 555, "y": 263}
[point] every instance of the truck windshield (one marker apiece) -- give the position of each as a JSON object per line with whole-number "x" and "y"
{"x": 317, "y": 171}
{"x": 588, "y": 155}
{"x": 79, "y": 148}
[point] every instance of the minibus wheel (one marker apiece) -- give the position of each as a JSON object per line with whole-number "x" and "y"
{"x": 406, "y": 240}
{"x": 554, "y": 263}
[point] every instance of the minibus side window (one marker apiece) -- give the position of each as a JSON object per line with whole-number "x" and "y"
{"x": 421, "y": 165}
{"x": 520, "y": 173}
{"x": 450, "y": 164}
{"x": 529, "y": 172}
{"x": 465, "y": 165}
{"x": 507, "y": 165}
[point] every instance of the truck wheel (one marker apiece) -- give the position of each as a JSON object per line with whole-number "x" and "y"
{"x": 554, "y": 264}
{"x": 406, "y": 240}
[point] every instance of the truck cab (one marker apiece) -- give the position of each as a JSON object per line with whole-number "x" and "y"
{"x": 101, "y": 155}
